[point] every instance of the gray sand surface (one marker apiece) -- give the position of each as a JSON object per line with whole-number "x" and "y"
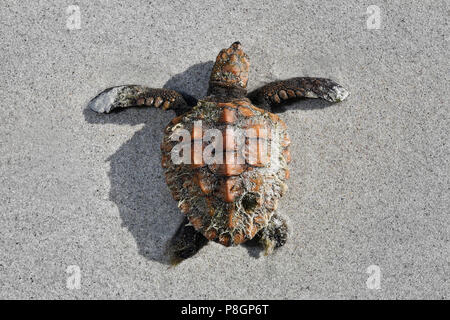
{"x": 369, "y": 177}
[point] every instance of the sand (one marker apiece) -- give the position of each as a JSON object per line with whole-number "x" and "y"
{"x": 369, "y": 181}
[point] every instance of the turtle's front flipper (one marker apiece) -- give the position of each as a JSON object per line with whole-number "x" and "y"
{"x": 274, "y": 235}
{"x": 276, "y": 93}
{"x": 185, "y": 243}
{"x": 140, "y": 96}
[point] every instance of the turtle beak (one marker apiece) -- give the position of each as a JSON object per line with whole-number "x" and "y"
{"x": 236, "y": 45}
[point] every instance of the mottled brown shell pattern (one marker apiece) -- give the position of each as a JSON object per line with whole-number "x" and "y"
{"x": 229, "y": 203}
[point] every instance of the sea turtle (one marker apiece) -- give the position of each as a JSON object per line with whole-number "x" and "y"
{"x": 234, "y": 152}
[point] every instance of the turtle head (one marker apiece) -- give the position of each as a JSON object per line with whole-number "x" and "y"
{"x": 230, "y": 72}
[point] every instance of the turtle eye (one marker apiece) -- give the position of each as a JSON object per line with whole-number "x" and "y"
{"x": 250, "y": 201}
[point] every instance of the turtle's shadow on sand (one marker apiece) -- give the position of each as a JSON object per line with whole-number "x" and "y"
{"x": 138, "y": 187}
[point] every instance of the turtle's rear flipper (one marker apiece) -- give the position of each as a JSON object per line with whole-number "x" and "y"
{"x": 274, "y": 235}
{"x": 140, "y": 96}
{"x": 185, "y": 243}
{"x": 277, "y": 93}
